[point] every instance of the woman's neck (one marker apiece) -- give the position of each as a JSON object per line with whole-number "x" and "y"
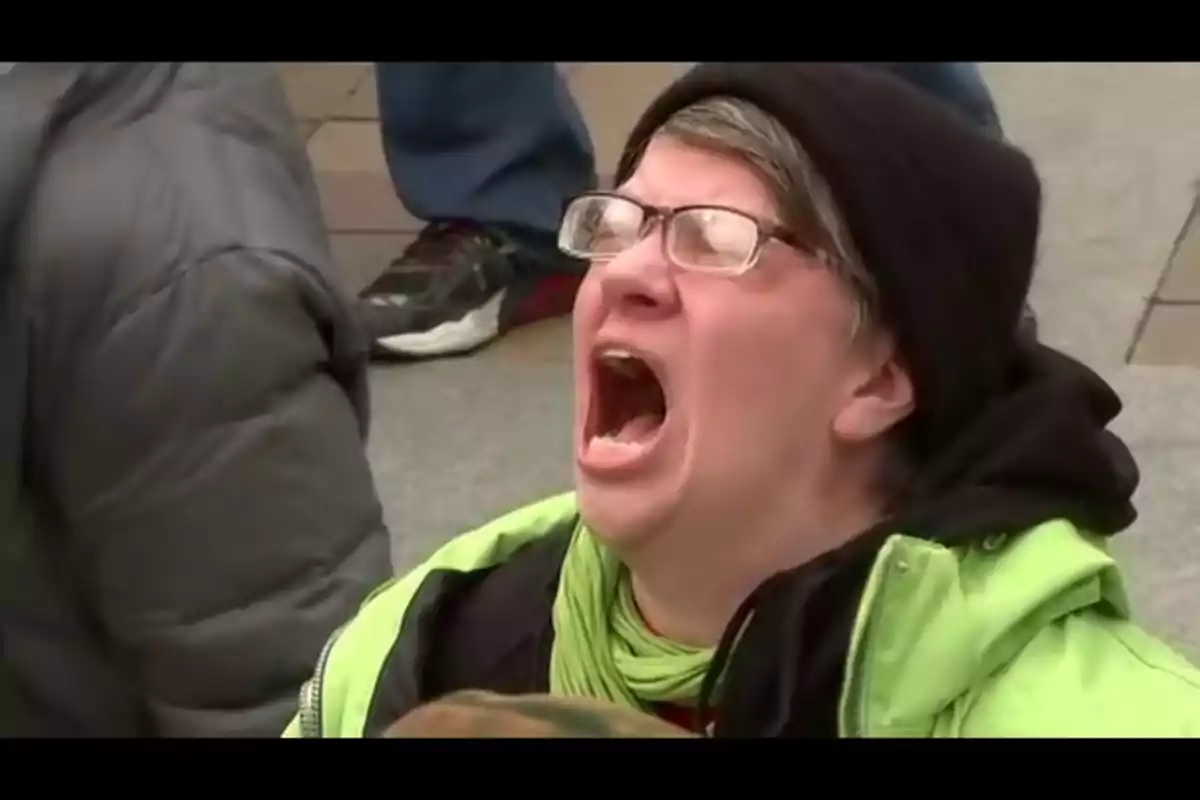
{"x": 696, "y": 621}
{"x": 689, "y": 594}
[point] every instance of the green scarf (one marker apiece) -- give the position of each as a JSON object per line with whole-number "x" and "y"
{"x": 602, "y": 648}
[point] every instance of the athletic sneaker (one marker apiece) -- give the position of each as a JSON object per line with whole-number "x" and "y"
{"x": 459, "y": 287}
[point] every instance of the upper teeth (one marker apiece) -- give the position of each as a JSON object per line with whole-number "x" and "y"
{"x": 622, "y": 361}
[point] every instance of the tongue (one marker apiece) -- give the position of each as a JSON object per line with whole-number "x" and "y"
{"x": 640, "y": 427}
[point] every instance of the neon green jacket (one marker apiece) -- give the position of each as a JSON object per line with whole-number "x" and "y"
{"x": 1025, "y": 635}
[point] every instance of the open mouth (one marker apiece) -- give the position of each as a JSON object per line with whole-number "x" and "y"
{"x": 628, "y": 404}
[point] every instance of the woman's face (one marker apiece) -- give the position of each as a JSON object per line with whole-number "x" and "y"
{"x": 757, "y": 371}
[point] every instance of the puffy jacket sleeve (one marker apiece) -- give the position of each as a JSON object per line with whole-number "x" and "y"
{"x": 205, "y": 455}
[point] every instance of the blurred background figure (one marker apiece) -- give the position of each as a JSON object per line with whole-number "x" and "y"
{"x": 195, "y": 514}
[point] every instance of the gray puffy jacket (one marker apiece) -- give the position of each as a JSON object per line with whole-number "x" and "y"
{"x": 193, "y": 512}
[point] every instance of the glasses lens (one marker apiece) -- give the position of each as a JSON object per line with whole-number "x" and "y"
{"x": 711, "y": 239}
{"x": 599, "y": 226}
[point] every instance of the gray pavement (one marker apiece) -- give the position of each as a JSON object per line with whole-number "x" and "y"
{"x": 456, "y": 442}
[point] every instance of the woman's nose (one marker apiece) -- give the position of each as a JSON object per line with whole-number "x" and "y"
{"x": 639, "y": 281}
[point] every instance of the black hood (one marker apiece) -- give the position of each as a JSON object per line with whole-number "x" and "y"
{"x": 1036, "y": 452}
{"x": 1040, "y": 450}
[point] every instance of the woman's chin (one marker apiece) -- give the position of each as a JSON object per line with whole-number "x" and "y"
{"x": 622, "y": 517}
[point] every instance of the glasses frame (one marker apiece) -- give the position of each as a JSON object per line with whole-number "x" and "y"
{"x": 660, "y": 218}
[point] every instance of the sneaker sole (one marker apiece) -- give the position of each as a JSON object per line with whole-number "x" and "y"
{"x": 475, "y": 329}
{"x": 553, "y": 297}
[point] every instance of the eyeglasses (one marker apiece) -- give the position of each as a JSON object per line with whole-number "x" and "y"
{"x": 598, "y": 226}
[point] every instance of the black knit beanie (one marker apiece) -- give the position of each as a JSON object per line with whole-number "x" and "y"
{"x": 945, "y": 217}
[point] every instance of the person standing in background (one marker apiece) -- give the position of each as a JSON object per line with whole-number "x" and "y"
{"x": 185, "y": 391}
{"x": 487, "y": 154}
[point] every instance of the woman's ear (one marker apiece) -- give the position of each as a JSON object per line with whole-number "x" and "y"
{"x": 879, "y": 397}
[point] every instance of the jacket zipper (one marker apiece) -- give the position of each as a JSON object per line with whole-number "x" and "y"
{"x": 311, "y": 694}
